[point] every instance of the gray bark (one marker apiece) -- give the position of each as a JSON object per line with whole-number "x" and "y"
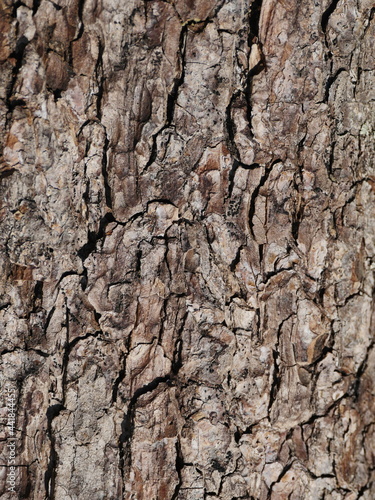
{"x": 187, "y": 248}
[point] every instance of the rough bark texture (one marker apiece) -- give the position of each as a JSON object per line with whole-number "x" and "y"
{"x": 187, "y": 248}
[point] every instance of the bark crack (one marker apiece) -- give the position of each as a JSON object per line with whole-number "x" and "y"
{"x": 172, "y": 95}
{"x": 127, "y": 426}
{"x": 50, "y": 474}
{"x": 327, "y": 14}
{"x": 179, "y": 466}
{"x": 276, "y": 378}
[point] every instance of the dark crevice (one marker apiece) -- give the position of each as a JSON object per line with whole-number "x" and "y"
{"x": 81, "y": 4}
{"x": 243, "y": 497}
{"x": 229, "y": 32}
{"x": 359, "y": 375}
{"x": 367, "y": 487}
{"x": 107, "y": 187}
{"x": 48, "y": 319}
{"x": 239, "y": 295}
{"x": 39, "y": 352}
{"x": 298, "y": 215}
{"x": 65, "y": 275}
{"x": 50, "y": 474}
{"x": 154, "y": 150}
{"x": 275, "y": 272}
{"x": 54, "y": 410}
{"x": 165, "y": 201}
{"x": 249, "y": 430}
{"x": 14, "y": 103}
{"x": 348, "y": 299}
{"x": 253, "y": 38}
{"x": 328, "y": 56}
{"x": 177, "y": 354}
{"x": 236, "y": 259}
{"x": 38, "y": 291}
{"x": 286, "y": 468}
{"x": 85, "y": 124}
{"x": 17, "y": 54}
{"x": 231, "y": 128}
{"x": 232, "y": 173}
{"x": 36, "y": 5}
{"x": 330, "y": 81}
{"x": 315, "y": 416}
{"x": 127, "y": 425}
{"x": 84, "y": 279}
{"x": 261, "y": 257}
{"x": 276, "y": 379}
{"x": 172, "y": 96}
{"x": 253, "y": 200}
{"x": 327, "y": 13}
{"x": 237, "y": 436}
{"x": 86, "y": 193}
{"x": 179, "y": 466}
{"x": 254, "y": 17}
{"x": 97, "y": 317}
{"x": 79, "y": 339}
{"x": 329, "y": 164}
{"x": 138, "y": 263}
{"x": 117, "y": 382}
{"x": 321, "y": 476}
{"x": 163, "y": 312}
{"x": 7, "y": 173}
{"x": 231, "y": 176}
{"x": 56, "y": 94}
{"x": 37, "y": 299}
{"x": 248, "y": 92}
{"x": 256, "y": 70}
{"x": 25, "y": 349}
{"x": 301, "y": 145}
{"x": 67, "y": 349}
{"x": 100, "y": 80}
{"x": 258, "y": 323}
{"x": 94, "y": 237}
{"x": 56, "y": 6}
{"x": 327, "y": 349}
{"x": 320, "y": 296}
{"x": 16, "y": 5}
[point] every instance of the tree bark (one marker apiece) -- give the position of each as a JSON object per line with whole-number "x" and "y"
{"x": 187, "y": 249}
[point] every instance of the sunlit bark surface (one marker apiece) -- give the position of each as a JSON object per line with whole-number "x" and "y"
{"x": 187, "y": 248}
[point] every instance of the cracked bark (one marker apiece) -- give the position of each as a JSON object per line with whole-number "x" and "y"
{"x": 186, "y": 246}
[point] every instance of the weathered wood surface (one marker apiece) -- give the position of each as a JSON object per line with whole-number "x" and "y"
{"x": 187, "y": 248}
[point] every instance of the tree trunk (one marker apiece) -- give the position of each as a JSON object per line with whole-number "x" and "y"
{"x": 187, "y": 249}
